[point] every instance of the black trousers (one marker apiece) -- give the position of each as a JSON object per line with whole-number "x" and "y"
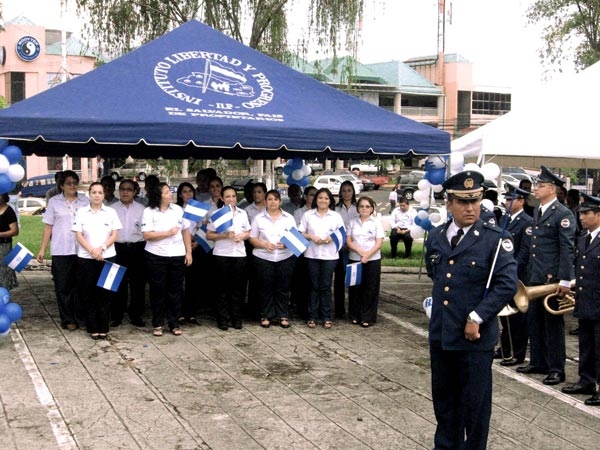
{"x": 273, "y": 281}
{"x": 546, "y": 338}
{"x": 64, "y": 273}
{"x": 231, "y": 286}
{"x": 165, "y": 278}
{"x": 133, "y": 285}
{"x": 96, "y": 299}
{"x": 339, "y": 285}
{"x": 461, "y": 386}
{"x": 589, "y": 351}
{"x": 517, "y": 324}
{"x": 363, "y": 299}
{"x": 396, "y": 237}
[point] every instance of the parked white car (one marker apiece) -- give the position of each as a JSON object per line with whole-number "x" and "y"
{"x": 333, "y": 182}
{"x": 31, "y": 205}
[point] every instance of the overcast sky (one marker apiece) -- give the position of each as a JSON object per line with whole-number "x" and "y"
{"x": 493, "y": 35}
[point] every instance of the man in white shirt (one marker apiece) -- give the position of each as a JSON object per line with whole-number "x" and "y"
{"x": 403, "y": 218}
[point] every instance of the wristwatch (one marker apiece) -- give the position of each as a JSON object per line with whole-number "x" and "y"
{"x": 469, "y": 320}
{"x": 103, "y": 247}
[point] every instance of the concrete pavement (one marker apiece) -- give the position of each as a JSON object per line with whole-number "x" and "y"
{"x": 300, "y": 388}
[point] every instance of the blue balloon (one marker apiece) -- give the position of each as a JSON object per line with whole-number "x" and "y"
{"x": 13, "y": 154}
{"x": 4, "y": 296}
{"x": 4, "y": 323}
{"x": 287, "y": 169}
{"x": 290, "y": 180}
{"x": 4, "y": 183}
{"x": 13, "y": 311}
{"x": 297, "y": 163}
{"x": 425, "y": 224}
{"x": 418, "y": 220}
{"x": 303, "y": 182}
{"x": 436, "y": 176}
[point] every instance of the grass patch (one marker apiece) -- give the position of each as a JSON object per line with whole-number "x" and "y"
{"x": 400, "y": 261}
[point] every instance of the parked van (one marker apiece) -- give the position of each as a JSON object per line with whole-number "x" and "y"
{"x": 38, "y": 186}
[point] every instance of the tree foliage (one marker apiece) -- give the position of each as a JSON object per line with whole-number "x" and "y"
{"x": 569, "y": 25}
{"x": 121, "y": 25}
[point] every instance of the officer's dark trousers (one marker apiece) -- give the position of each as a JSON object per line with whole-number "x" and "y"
{"x": 517, "y": 324}
{"x": 589, "y": 351}
{"x": 546, "y": 337}
{"x": 461, "y": 384}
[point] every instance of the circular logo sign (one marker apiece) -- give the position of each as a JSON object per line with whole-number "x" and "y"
{"x": 213, "y": 80}
{"x": 28, "y": 48}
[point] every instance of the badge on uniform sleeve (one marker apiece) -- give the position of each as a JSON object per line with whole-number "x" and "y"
{"x": 565, "y": 223}
{"x": 507, "y": 245}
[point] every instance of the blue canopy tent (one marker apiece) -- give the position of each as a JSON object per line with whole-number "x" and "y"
{"x": 196, "y": 92}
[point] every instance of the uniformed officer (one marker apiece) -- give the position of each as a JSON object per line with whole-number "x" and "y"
{"x": 587, "y": 304}
{"x": 551, "y": 261}
{"x": 513, "y": 339}
{"x": 463, "y": 329}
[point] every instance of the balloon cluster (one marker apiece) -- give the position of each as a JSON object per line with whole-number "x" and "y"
{"x": 11, "y": 171}
{"x": 435, "y": 175}
{"x": 297, "y": 172}
{"x": 9, "y": 312}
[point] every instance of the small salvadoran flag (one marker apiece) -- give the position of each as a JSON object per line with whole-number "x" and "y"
{"x": 353, "y": 274}
{"x": 195, "y": 210}
{"x": 294, "y": 241}
{"x": 339, "y": 238}
{"x": 111, "y": 276}
{"x": 203, "y": 242}
{"x": 18, "y": 258}
{"x": 222, "y": 218}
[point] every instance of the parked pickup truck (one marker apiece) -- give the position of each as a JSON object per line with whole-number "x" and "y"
{"x": 316, "y": 166}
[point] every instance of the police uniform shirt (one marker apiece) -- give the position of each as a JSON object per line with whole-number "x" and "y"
{"x": 131, "y": 218}
{"x": 322, "y": 226}
{"x": 401, "y": 219}
{"x": 154, "y": 219}
{"x": 271, "y": 229}
{"x": 587, "y": 267}
{"x": 365, "y": 234}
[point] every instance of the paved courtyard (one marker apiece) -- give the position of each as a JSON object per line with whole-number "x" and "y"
{"x": 344, "y": 388}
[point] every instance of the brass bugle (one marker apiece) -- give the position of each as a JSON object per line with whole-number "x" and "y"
{"x": 557, "y": 305}
{"x": 525, "y": 294}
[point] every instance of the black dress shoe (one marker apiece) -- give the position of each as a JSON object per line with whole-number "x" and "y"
{"x": 593, "y": 400}
{"x": 498, "y": 354}
{"x": 511, "y": 362}
{"x": 532, "y": 369}
{"x": 577, "y": 388}
{"x": 223, "y": 327}
{"x": 554, "y": 378}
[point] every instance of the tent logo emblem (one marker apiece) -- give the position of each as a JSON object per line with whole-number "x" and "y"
{"x": 213, "y": 80}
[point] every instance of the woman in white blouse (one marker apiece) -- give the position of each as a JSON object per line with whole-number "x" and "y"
{"x": 317, "y": 225}
{"x": 96, "y": 227}
{"x": 229, "y": 254}
{"x": 365, "y": 237}
{"x": 168, "y": 251}
{"x": 273, "y": 262}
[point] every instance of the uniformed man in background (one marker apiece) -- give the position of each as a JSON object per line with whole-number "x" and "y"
{"x": 551, "y": 261}
{"x": 587, "y": 304}
{"x": 463, "y": 329}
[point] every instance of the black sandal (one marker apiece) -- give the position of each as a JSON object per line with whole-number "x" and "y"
{"x": 265, "y": 323}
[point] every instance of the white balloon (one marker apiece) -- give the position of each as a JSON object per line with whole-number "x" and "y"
{"x": 457, "y": 161}
{"x": 5, "y": 333}
{"x": 487, "y": 204}
{"x": 437, "y": 188}
{"x": 437, "y": 162}
{"x": 422, "y": 214}
{"x": 4, "y": 164}
{"x": 491, "y": 170}
{"x": 306, "y": 170}
{"x": 16, "y": 172}
{"x": 424, "y": 184}
{"x": 297, "y": 174}
{"x": 417, "y": 232}
{"x": 419, "y": 196}
{"x": 435, "y": 217}
{"x": 424, "y": 204}
{"x": 472, "y": 166}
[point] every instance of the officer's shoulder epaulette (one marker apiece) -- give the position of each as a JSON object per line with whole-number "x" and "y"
{"x": 492, "y": 227}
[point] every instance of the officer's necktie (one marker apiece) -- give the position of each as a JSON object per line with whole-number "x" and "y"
{"x": 454, "y": 240}
{"x": 588, "y": 239}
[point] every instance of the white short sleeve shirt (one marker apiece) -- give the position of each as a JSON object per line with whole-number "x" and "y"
{"x": 96, "y": 227}
{"x": 313, "y": 223}
{"x": 268, "y": 229}
{"x": 365, "y": 234}
{"x": 156, "y": 220}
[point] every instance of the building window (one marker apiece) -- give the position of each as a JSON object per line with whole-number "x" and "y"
{"x": 15, "y": 86}
{"x": 491, "y": 103}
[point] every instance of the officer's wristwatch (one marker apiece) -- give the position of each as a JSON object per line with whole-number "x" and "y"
{"x": 469, "y": 320}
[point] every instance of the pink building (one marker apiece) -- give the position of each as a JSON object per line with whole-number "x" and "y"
{"x": 33, "y": 59}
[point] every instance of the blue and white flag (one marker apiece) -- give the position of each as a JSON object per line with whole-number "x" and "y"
{"x": 427, "y": 304}
{"x": 18, "y": 258}
{"x": 339, "y": 238}
{"x": 353, "y": 274}
{"x": 203, "y": 242}
{"x": 222, "y": 218}
{"x": 195, "y": 210}
{"x": 111, "y": 276}
{"x": 295, "y": 241}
